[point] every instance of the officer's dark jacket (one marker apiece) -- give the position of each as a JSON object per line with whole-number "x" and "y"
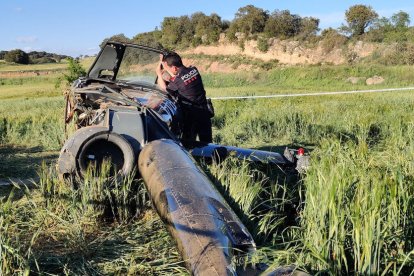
{"x": 189, "y": 86}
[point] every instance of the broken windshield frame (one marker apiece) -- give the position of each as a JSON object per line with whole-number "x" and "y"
{"x": 130, "y": 63}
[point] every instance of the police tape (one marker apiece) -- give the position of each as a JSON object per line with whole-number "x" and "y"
{"x": 313, "y": 94}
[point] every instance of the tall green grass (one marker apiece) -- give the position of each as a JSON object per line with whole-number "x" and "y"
{"x": 351, "y": 213}
{"x": 298, "y": 79}
{"x": 355, "y": 211}
{"x": 358, "y": 212}
{"x": 32, "y": 122}
{"x": 90, "y": 226}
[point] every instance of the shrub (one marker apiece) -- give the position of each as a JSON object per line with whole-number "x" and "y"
{"x": 196, "y": 41}
{"x": 75, "y": 70}
{"x": 241, "y": 44}
{"x": 262, "y": 44}
{"x": 331, "y": 39}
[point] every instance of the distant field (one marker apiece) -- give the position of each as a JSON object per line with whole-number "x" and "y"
{"x": 35, "y": 67}
{"x": 306, "y": 79}
{"x": 350, "y": 214}
{"x": 15, "y": 82}
{"x": 30, "y": 67}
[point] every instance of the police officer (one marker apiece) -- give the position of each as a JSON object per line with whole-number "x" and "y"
{"x": 186, "y": 84}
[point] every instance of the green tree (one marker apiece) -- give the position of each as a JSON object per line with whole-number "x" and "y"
{"x": 177, "y": 31}
{"x": 282, "y": 24}
{"x": 400, "y": 20}
{"x": 2, "y": 54}
{"x": 378, "y": 30}
{"x": 207, "y": 27}
{"x": 152, "y": 39}
{"x": 43, "y": 60}
{"x": 17, "y": 56}
{"x": 309, "y": 26}
{"x": 393, "y": 29}
{"x": 197, "y": 17}
{"x": 170, "y": 35}
{"x": 382, "y": 23}
{"x": 225, "y": 24}
{"x": 118, "y": 38}
{"x": 232, "y": 30}
{"x": 250, "y": 20}
{"x": 359, "y": 18}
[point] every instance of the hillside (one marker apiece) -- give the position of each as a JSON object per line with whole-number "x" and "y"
{"x": 291, "y": 52}
{"x": 283, "y": 38}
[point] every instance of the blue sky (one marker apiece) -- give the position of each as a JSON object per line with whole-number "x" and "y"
{"x": 77, "y": 27}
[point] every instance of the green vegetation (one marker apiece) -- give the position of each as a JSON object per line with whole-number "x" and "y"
{"x": 359, "y": 18}
{"x": 332, "y": 39}
{"x": 17, "y": 56}
{"x": 253, "y": 23}
{"x": 303, "y": 79}
{"x": 262, "y": 44}
{"x": 284, "y": 25}
{"x": 247, "y": 20}
{"x": 351, "y": 213}
{"x": 75, "y": 71}
{"x": 52, "y": 228}
{"x": 21, "y": 57}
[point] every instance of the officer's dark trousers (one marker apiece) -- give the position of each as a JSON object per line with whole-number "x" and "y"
{"x": 196, "y": 122}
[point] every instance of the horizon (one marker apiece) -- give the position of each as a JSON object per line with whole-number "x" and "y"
{"x": 78, "y": 28}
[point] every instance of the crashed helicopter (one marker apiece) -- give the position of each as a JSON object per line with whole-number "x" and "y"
{"x": 121, "y": 115}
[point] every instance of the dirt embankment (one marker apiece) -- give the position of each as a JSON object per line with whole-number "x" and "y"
{"x": 285, "y": 52}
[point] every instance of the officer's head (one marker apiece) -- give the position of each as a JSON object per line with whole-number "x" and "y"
{"x": 172, "y": 62}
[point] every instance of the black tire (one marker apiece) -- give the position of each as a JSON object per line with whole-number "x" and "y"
{"x": 106, "y": 145}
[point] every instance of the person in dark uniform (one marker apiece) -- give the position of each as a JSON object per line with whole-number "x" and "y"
{"x": 186, "y": 84}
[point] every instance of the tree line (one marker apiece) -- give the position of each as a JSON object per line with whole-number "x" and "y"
{"x": 361, "y": 22}
{"x": 33, "y": 57}
{"x": 252, "y": 23}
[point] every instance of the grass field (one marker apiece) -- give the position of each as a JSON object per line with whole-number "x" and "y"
{"x": 352, "y": 213}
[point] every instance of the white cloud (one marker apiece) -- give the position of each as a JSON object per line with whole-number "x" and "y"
{"x": 27, "y": 49}
{"x": 26, "y": 39}
{"x": 18, "y": 9}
